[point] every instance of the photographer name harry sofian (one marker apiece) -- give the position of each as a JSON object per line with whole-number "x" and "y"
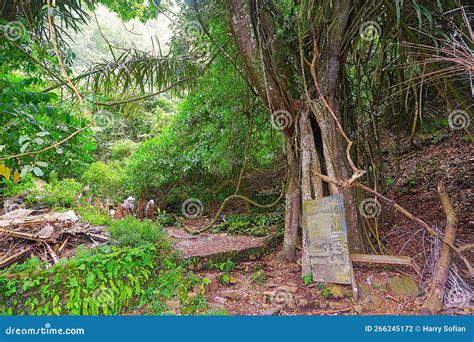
{"x": 446, "y": 328}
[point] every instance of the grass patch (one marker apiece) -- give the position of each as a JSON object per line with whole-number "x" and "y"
{"x": 133, "y": 232}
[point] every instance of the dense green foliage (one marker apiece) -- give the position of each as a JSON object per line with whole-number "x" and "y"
{"x": 189, "y": 118}
{"x": 118, "y": 279}
{"x": 32, "y": 120}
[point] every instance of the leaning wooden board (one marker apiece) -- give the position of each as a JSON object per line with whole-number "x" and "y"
{"x": 325, "y": 224}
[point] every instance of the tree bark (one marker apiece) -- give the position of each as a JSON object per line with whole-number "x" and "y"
{"x": 306, "y": 185}
{"x": 328, "y": 76}
{"x": 292, "y": 205}
{"x": 434, "y": 301}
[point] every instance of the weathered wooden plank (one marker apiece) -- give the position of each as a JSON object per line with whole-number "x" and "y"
{"x": 325, "y": 224}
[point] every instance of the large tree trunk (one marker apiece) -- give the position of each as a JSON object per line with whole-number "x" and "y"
{"x": 250, "y": 25}
{"x": 292, "y": 204}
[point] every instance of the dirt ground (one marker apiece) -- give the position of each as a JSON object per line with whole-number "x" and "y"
{"x": 284, "y": 293}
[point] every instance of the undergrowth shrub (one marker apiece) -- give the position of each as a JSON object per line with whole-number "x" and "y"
{"x": 105, "y": 180}
{"x": 102, "y": 281}
{"x": 92, "y": 215}
{"x": 11, "y": 189}
{"x": 56, "y": 193}
{"x": 249, "y": 224}
{"x": 133, "y": 232}
{"x": 123, "y": 149}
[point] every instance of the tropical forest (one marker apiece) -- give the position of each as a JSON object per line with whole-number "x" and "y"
{"x": 236, "y": 157}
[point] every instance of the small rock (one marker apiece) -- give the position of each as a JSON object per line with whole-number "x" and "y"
{"x": 232, "y": 295}
{"x": 302, "y": 302}
{"x": 173, "y": 304}
{"x": 337, "y": 305}
{"x": 373, "y": 302}
{"x": 252, "y": 257}
{"x": 403, "y": 286}
{"x": 292, "y": 289}
{"x": 271, "y": 311}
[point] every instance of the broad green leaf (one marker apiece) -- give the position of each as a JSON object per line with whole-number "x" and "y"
{"x": 38, "y": 172}
{"x": 42, "y": 163}
{"x": 22, "y": 139}
{"x": 24, "y": 147}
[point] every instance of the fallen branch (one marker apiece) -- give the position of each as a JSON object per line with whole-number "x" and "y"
{"x": 329, "y": 312}
{"x": 98, "y": 237}
{"x": 52, "y": 253}
{"x": 26, "y": 236}
{"x": 434, "y": 301}
{"x": 6, "y": 261}
{"x": 63, "y": 244}
{"x": 385, "y": 259}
